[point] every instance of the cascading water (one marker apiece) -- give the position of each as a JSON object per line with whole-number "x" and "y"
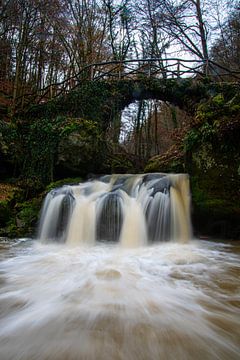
{"x": 130, "y": 209}
{"x": 172, "y": 300}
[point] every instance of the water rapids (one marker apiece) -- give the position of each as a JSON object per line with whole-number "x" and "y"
{"x": 164, "y": 301}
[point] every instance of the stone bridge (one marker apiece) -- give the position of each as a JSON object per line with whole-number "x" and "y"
{"x": 102, "y": 90}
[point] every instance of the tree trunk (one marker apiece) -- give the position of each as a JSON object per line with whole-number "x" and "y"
{"x": 203, "y": 35}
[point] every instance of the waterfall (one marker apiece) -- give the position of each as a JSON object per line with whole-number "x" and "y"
{"x": 130, "y": 209}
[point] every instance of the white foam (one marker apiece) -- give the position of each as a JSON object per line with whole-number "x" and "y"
{"x": 169, "y": 301}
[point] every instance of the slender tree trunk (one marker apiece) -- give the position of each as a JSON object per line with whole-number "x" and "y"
{"x": 156, "y": 129}
{"x": 137, "y": 128}
{"x": 203, "y": 35}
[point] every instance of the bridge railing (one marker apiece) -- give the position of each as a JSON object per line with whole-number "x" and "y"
{"x": 135, "y": 69}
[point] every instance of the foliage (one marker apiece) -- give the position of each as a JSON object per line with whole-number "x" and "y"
{"x": 40, "y": 142}
{"x": 10, "y": 141}
{"x": 22, "y": 218}
{"x": 9, "y": 194}
{"x": 171, "y": 161}
{"x": 28, "y": 213}
{"x": 8, "y": 191}
{"x": 226, "y": 49}
{"x": 216, "y": 118}
{"x": 192, "y": 139}
{"x": 91, "y": 100}
{"x": 120, "y": 164}
{"x": 5, "y": 212}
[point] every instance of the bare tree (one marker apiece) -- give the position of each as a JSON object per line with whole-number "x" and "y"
{"x": 185, "y": 23}
{"x": 153, "y": 40}
{"x": 226, "y": 49}
{"x": 120, "y": 21}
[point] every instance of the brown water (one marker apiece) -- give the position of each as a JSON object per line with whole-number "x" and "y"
{"x": 167, "y": 301}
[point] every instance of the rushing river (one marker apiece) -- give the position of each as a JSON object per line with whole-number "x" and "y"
{"x": 104, "y": 302}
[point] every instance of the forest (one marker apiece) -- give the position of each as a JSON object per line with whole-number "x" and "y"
{"x": 90, "y": 87}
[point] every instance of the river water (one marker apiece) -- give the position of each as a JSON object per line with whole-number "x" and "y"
{"x": 167, "y": 301}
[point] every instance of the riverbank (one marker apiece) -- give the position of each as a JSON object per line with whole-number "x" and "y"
{"x": 19, "y": 211}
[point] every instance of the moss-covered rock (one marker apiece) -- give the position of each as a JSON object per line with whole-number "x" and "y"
{"x": 62, "y": 182}
{"x": 81, "y": 149}
{"x": 120, "y": 163}
{"x": 170, "y": 162}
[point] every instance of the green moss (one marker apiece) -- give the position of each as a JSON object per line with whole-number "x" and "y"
{"x": 198, "y": 193}
{"x": 170, "y": 162}
{"x": 23, "y": 219}
{"x": 152, "y": 166}
{"x": 218, "y": 100}
{"x": 59, "y": 183}
{"x": 158, "y": 165}
{"x": 204, "y": 159}
{"x": 28, "y": 211}
{"x": 205, "y": 196}
{"x": 11, "y": 230}
{"x": 192, "y": 139}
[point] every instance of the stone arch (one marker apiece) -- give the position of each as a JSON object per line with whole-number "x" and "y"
{"x": 97, "y": 100}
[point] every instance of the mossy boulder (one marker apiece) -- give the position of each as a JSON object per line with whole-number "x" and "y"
{"x": 121, "y": 163}
{"x": 62, "y": 182}
{"x": 170, "y": 162}
{"x": 81, "y": 149}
